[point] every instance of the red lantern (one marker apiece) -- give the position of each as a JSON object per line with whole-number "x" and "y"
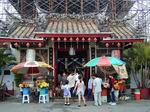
{"x": 89, "y": 39}
{"x": 27, "y": 44}
{"x": 52, "y": 39}
{"x": 16, "y": 44}
{"x": 118, "y": 44}
{"x": 77, "y": 39}
{"x": 71, "y": 39}
{"x": 40, "y": 44}
{"x": 107, "y": 45}
{"x": 58, "y": 39}
{"x": 83, "y": 39}
{"x": 130, "y": 43}
{"x": 95, "y": 39}
{"x": 65, "y": 39}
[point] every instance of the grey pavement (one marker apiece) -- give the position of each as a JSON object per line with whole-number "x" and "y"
{"x": 58, "y": 106}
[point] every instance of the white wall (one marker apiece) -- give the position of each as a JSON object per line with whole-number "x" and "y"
{"x": 9, "y": 80}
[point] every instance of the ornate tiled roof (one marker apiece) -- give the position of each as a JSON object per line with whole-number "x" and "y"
{"x": 124, "y": 32}
{"x": 72, "y": 28}
{"x": 22, "y": 32}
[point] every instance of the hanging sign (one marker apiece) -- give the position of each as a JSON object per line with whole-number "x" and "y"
{"x": 121, "y": 71}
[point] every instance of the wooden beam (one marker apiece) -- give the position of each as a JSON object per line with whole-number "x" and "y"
{"x": 97, "y": 5}
{"x": 66, "y": 6}
{"x": 18, "y": 40}
{"x": 49, "y": 5}
{"x": 124, "y": 40}
{"x": 113, "y": 8}
{"x": 21, "y": 10}
{"x": 81, "y": 6}
{"x": 73, "y": 35}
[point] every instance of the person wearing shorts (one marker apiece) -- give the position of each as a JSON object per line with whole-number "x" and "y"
{"x": 80, "y": 88}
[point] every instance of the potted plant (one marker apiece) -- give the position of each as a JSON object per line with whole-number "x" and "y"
{"x": 24, "y": 88}
{"x": 43, "y": 87}
{"x": 137, "y": 59}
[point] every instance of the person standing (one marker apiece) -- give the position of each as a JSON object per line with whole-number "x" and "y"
{"x": 67, "y": 93}
{"x": 97, "y": 89}
{"x": 90, "y": 84}
{"x": 63, "y": 79}
{"x": 72, "y": 80}
{"x": 111, "y": 90}
{"x": 80, "y": 89}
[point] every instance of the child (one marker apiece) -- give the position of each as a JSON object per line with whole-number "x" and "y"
{"x": 80, "y": 90}
{"x": 67, "y": 93}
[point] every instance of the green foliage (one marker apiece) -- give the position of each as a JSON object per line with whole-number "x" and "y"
{"x": 137, "y": 55}
{"x": 138, "y": 59}
{"x": 18, "y": 79}
{"x": 5, "y": 59}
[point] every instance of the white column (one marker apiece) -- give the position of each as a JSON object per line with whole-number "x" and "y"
{"x": 30, "y": 55}
{"x": 16, "y": 53}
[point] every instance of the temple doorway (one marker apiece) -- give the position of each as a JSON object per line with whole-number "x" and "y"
{"x": 72, "y": 57}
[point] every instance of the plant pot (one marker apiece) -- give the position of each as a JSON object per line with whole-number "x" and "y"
{"x": 144, "y": 93}
{"x": 104, "y": 92}
{"x": 43, "y": 91}
{"x": 104, "y": 95}
{"x": 137, "y": 95}
{"x": 25, "y": 91}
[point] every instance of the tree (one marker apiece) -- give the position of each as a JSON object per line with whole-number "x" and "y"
{"x": 5, "y": 59}
{"x": 138, "y": 61}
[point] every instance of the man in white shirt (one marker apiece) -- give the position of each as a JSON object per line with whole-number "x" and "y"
{"x": 72, "y": 79}
{"x": 97, "y": 89}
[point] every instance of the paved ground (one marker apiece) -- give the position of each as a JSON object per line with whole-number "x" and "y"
{"x": 58, "y": 106}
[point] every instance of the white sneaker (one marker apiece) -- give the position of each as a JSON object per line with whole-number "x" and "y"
{"x": 113, "y": 104}
{"x": 110, "y": 103}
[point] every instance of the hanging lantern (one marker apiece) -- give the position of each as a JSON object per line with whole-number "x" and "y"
{"x": 65, "y": 39}
{"x": 77, "y": 39}
{"x": 130, "y": 43}
{"x": 58, "y": 39}
{"x": 71, "y": 39}
{"x": 27, "y": 44}
{"x": 107, "y": 45}
{"x": 95, "y": 39}
{"x": 89, "y": 39}
{"x": 72, "y": 51}
{"x": 39, "y": 44}
{"x": 16, "y": 44}
{"x": 83, "y": 39}
{"x": 52, "y": 39}
{"x": 118, "y": 44}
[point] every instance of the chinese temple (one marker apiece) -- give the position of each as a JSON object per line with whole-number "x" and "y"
{"x": 68, "y": 33}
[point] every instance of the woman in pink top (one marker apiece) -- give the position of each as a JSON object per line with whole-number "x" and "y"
{"x": 80, "y": 88}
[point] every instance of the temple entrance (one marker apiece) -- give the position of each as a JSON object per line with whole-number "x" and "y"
{"x": 71, "y": 62}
